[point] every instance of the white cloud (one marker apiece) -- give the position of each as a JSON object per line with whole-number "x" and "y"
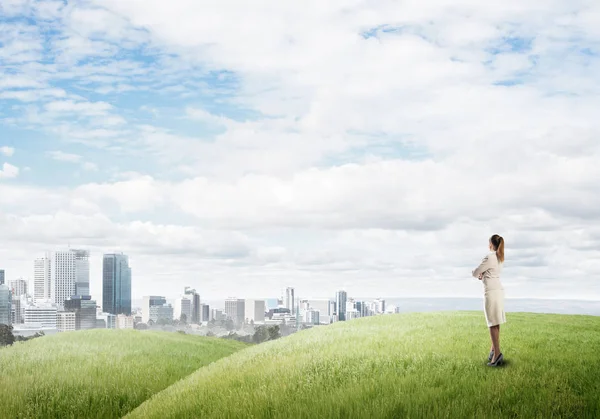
{"x": 61, "y": 156}
{"x": 9, "y": 171}
{"x": 85, "y": 108}
{"x": 65, "y": 157}
{"x": 7, "y": 151}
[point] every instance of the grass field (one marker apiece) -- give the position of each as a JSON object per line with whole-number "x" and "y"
{"x": 416, "y": 365}
{"x": 98, "y": 373}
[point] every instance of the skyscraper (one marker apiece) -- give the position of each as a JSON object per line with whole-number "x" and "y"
{"x": 255, "y": 311}
{"x": 18, "y": 287}
{"x": 183, "y": 307}
{"x": 42, "y": 279}
{"x": 196, "y": 306}
{"x": 60, "y": 275}
{"x": 5, "y": 305}
{"x": 235, "y": 309}
{"x": 82, "y": 272}
{"x": 116, "y": 284}
{"x": 205, "y": 313}
{"x": 2, "y": 277}
{"x": 289, "y": 300}
{"x": 341, "y": 298}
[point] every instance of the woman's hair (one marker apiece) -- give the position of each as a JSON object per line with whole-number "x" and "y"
{"x": 498, "y": 243}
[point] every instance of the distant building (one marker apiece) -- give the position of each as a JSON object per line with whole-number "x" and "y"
{"x": 106, "y": 321}
{"x": 290, "y": 300}
{"x": 42, "y": 278}
{"x": 2, "y": 276}
{"x": 379, "y": 306}
{"x": 60, "y": 275}
{"x": 116, "y": 284}
{"x": 183, "y": 306}
{"x": 125, "y": 322}
{"x": 324, "y": 307}
{"x": 5, "y": 305}
{"x": 341, "y": 298}
{"x": 278, "y": 312}
{"x": 205, "y": 313}
{"x": 155, "y": 308}
{"x": 16, "y": 310}
{"x": 85, "y": 311}
{"x": 196, "y": 317}
{"x": 82, "y": 272}
{"x": 65, "y": 321}
{"x": 235, "y": 309}
{"x": 217, "y": 315}
{"x": 18, "y": 287}
{"x": 41, "y": 316}
{"x": 255, "y": 311}
{"x": 312, "y": 316}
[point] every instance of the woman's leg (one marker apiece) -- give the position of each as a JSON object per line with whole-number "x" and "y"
{"x": 495, "y": 335}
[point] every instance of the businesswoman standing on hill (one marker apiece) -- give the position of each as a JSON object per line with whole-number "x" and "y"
{"x": 489, "y": 273}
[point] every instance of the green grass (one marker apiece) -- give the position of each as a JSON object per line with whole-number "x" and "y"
{"x": 416, "y": 365}
{"x": 98, "y": 373}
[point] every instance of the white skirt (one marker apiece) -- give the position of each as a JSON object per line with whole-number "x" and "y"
{"x": 494, "y": 307}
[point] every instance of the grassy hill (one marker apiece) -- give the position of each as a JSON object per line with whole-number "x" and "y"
{"x": 416, "y": 365}
{"x": 98, "y": 373}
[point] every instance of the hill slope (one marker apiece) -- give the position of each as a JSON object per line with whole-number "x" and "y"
{"x": 416, "y": 365}
{"x": 98, "y": 373}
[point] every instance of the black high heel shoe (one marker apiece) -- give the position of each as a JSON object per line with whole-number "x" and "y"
{"x": 499, "y": 361}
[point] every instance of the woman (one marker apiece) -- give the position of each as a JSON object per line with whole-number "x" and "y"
{"x": 489, "y": 272}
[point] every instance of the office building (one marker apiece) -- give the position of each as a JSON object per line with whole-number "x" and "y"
{"x": 18, "y": 287}
{"x": 196, "y": 317}
{"x": 311, "y": 316}
{"x": 379, "y": 306}
{"x": 85, "y": 311}
{"x": 116, "y": 284}
{"x": 2, "y": 277}
{"x": 64, "y": 267}
{"x": 183, "y": 309}
{"x": 205, "y": 313}
{"x": 124, "y": 322}
{"x": 42, "y": 279}
{"x": 65, "y": 321}
{"x": 324, "y": 307}
{"x": 255, "y": 311}
{"x": 16, "y": 310}
{"x": 60, "y": 275}
{"x": 290, "y": 300}
{"x": 82, "y": 272}
{"x": 155, "y": 308}
{"x": 5, "y": 305}
{"x": 217, "y": 315}
{"x": 341, "y": 298}
{"x": 106, "y": 321}
{"x": 41, "y": 316}
{"x": 235, "y": 309}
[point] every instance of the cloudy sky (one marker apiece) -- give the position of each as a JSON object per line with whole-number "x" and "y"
{"x": 241, "y": 147}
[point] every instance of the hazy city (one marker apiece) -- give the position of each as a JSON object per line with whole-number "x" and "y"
{"x": 318, "y": 209}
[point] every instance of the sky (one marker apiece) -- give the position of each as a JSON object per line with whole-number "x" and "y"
{"x": 242, "y": 147}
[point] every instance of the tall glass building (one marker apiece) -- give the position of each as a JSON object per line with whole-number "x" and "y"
{"x": 341, "y": 297}
{"x": 5, "y": 305}
{"x": 116, "y": 284}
